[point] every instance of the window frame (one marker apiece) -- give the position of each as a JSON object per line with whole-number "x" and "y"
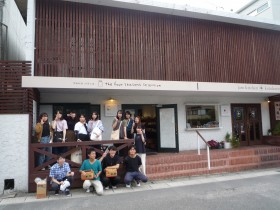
{"x": 217, "y": 114}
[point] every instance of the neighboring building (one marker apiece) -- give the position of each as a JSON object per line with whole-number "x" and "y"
{"x": 268, "y": 9}
{"x": 180, "y": 70}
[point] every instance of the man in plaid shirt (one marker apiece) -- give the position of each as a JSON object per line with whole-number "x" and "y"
{"x": 60, "y": 173}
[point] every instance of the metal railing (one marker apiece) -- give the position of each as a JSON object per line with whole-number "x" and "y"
{"x": 207, "y": 146}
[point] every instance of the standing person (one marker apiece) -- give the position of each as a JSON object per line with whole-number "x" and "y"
{"x": 117, "y": 125}
{"x": 137, "y": 122}
{"x": 44, "y": 135}
{"x": 71, "y": 122}
{"x": 132, "y": 163}
{"x": 59, "y": 125}
{"x": 95, "y": 165}
{"x": 81, "y": 129}
{"x": 61, "y": 174}
{"x": 95, "y": 124}
{"x": 128, "y": 122}
{"x": 110, "y": 161}
{"x": 140, "y": 142}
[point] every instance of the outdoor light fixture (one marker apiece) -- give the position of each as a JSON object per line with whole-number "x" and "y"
{"x": 111, "y": 99}
{"x": 267, "y": 99}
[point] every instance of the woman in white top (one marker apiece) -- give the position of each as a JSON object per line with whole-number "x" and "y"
{"x": 81, "y": 129}
{"x": 95, "y": 127}
{"x": 59, "y": 125}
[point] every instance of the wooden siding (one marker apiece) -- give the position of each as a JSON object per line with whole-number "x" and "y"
{"x": 80, "y": 40}
{"x": 13, "y": 98}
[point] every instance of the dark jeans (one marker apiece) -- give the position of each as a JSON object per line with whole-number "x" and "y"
{"x": 44, "y": 158}
{"x": 136, "y": 175}
{"x": 56, "y": 186}
{"x": 107, "y": 180}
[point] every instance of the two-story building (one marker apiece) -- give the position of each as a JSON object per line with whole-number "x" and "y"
{"x": 180, "y": 69}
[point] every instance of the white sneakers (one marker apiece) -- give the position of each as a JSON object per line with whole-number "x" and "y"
{"x": 88, "y": 190}
{"x": 107, "y": 188}
{"x": 127, "y": 185}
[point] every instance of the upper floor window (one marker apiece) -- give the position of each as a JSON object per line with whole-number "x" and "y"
{"x": 202, "y": 116}
{"x": 259, "y": 9}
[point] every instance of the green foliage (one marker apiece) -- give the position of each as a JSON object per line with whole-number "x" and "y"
{"x": 227, "y": 137}
{"x": 276, "y": 130}
{"x": 235, "y": 142}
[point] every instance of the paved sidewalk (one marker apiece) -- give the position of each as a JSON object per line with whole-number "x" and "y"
{"x": 151, "y": 185}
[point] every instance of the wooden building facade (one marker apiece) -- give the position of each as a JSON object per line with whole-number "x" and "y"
{"x": 82, "y": 40}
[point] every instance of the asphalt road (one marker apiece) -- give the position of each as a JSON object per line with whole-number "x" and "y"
{"x": 251, "y": 193}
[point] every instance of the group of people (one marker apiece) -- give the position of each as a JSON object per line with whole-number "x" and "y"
{"x": 61, "y": 174}
{"x": 74, "y": 129}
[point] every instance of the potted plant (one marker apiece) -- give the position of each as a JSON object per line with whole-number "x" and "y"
{"x": 276, "y": 130}
{"x": 235, "y": 141}
{"x": 227, "y": 143}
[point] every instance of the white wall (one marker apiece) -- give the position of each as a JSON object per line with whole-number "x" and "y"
{"x": 14, "y": 150}
{"x": 17, "y": 31}
{"x": 187, "y": 139}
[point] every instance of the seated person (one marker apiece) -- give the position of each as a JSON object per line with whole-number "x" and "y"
{"x": 132, "y": 163}
{"x": 95, "y": 165}
{"x": 60, "y": 173}
{"x": 110, "y": 161}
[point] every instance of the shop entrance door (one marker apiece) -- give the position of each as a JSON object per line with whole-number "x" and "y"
{"x": 246, "y": 123}
{"x": 168, "y": 128}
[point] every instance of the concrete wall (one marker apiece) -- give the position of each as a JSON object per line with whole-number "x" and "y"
{"x": 17, "y": 31}
{"x": 187, "y": 138}
{"x": 14, "y": 150}
{"x": 275, "y": 4}
{"x": 267, "y": 14}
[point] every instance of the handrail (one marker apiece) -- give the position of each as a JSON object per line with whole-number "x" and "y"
{"x": 207, "y": 145}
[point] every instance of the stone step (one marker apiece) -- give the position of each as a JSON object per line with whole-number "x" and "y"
{"x": 214, "y": 170}
{"x": 184, "y": 165}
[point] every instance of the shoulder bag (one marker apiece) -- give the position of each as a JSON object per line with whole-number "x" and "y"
{"x": 96, "y": 133}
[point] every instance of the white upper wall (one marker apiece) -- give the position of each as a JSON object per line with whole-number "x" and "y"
{"x": 272, "y": 12}
{"x": 17, "y": 31}
{"x": 275, "y": 4}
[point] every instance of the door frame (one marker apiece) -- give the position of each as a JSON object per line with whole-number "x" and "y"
{"x": 176, "y": 149}
{"x": 247, "y": 124}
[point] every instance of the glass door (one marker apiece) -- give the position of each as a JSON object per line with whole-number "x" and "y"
{"x": 246, "y": 123}
{"x": 168, "y": 128}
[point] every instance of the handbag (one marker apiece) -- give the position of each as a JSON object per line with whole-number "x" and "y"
{"x": 57, "y": 136}
{"x": 111, "y": 172}
{"x": 77, "y": 156}
{"x": 88, "y": 176}
{"x": 115, "y": 135}
{"x": 96, "y": 133}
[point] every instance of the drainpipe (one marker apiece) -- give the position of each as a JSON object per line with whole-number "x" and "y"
{"x": 2, "y": 3}
{"x": 3, "y": 43}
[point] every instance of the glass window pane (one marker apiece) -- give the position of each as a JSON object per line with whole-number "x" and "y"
{"x": 202, "y": 116}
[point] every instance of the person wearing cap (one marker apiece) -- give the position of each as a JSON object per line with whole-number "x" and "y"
{"x": 60, "y": 173}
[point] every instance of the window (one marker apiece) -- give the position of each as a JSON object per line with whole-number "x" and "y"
{"x": 259, "y": 9}
{"x": 202, "y": 116}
